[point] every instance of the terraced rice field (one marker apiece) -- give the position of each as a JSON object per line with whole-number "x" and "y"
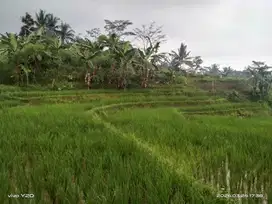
{"x": 154, "y": 146}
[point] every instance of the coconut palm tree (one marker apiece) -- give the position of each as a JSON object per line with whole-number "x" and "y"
{"x": 180, "y": 57}
{"x": 52, "y": 23}
{"x": 47, "y": 21}
{"x": 41, "y": 19}
{"x": 28, "y": 25}
{"x": 213, "y": 70}
{"x": 196, "y": 64}
{"x": 65, "y": 32}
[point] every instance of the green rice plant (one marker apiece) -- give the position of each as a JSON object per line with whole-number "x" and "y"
{"x": 204, "y": 144}
{"x": 167, "y": 145}
{"x": 64, "y": 156}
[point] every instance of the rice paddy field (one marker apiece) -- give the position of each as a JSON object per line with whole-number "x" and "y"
{"x": 165, "y": 145}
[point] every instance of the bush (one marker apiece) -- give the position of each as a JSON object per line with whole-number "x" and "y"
{"x": 234, "y": 96}
{"x": 269, "y": 98}
{"x": 8, "y": 88}
{"x": 181, "y": 80}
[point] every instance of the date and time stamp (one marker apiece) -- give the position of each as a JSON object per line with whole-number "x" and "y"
{"x": 240, "y": 196}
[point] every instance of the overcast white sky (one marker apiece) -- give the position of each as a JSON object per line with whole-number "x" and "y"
{"x": 227, "y": 32}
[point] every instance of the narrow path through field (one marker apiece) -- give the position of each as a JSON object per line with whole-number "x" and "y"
{"x": 152, "y": 150}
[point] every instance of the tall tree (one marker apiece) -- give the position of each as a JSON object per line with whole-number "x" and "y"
{"x": 52, "y": 22}
{"x": 226, "y": 71}
{"x": 214, "y": 70}
{"x": 11, "y": 46}
{"x": 124, "y": 55}
{"x": 149, "y": 35}
{"x": 147, "y": 62}
{"x": 196, "y": 63}
{"x": 65, "y": 32}
{"x": 94, "y": 33}
{"x": 118, "y": 49}
{"x": 28, "y": 25}
{"x": 41, "y": 19}
{"x": 118, "y": 27}
{"x": 261, "y": 78}
{"x": 88, "y": 50}
{"x": 181, "y": 57}
{"x": 47, "y": 21}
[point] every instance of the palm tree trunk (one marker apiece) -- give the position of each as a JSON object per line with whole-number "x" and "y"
{"x": 88, "y": 76}
{"x": 27, "y": 78}
{"x": 145, "y": 79}
{"x": 92, "y": 77}
{"x": 18, "y": 73}
{"x": 112, "y": 74}
{"x": 88, "y": 79}
{"x": 37, "y": 66}
{"x": 53, "y": 83}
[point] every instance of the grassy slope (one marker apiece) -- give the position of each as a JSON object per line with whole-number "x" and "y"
{"x": 158, "y": 155}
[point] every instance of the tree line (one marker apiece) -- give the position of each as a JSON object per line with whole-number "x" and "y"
{"x": 47, "y": 50}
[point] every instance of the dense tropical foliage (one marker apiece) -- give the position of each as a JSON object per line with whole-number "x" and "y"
{"x": 48, "y": 51}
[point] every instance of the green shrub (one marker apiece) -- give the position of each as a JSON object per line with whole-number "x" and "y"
{"x": 234, "y": 96}
{"x": 181, "y": 80}
{"x": 7, "y": 88}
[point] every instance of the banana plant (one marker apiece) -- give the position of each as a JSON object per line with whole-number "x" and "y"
{"x": 111, "y": 42}
{"x": 181, "y": 57}
{"x": 26, "y": 71}
{"x": 124, "y": 56}
{"x": 261, "y": 78}
{"x": 87, "y": 52}
{"x": 33, "y": 54}
{"x": 34, "y": 51}
{"x": 148, "y": 58}
{"x": 54, "y": 47}
{"x": 11, "y": 46}
{"x": 20, "y": 50}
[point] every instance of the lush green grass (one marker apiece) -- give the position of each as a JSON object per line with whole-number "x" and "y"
{"x": 56, "y": 152}
{"x": 132, "y": 147}
{"x": 200, "y": 144}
